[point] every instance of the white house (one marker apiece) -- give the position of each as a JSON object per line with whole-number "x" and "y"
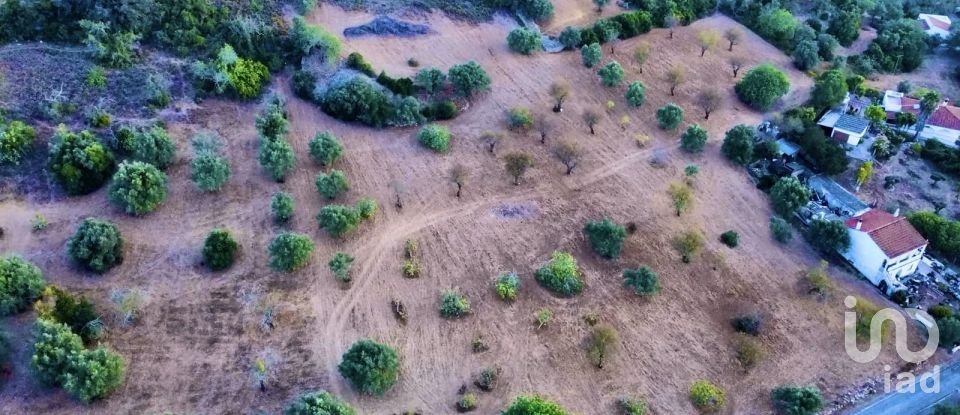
{"x": 935, "y": 24}
{"x": 884, "y": 247}
{"x": 845, "y": 128}
{"x": 943, "y": 124}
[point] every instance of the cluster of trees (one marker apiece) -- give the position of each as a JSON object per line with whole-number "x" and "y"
{"x": 945, "y": 158}
{"x": 276, "y": 154}
{"x": 339, "y": 220}
{"x": 370, "y": 367}
{"x": 943, "y": 233}
{"x": 825, "y": 155}
{"x": 228, "y": 73}
{"x": 79, "y": 162}
{"x": 622, "y": 26}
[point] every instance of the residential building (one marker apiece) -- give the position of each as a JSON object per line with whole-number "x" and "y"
{"x": 840, "y": 200}
{"x": 943, "y": 124}
{"x": 884, "y": 247}
{"x": 845, "y": 128}
{"x": 935, "y": 24}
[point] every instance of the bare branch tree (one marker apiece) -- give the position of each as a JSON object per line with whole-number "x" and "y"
{"x": 517, "y": 164}
{"x": 544, "y": 127}
{"x": 591, "y": 118}
{"x": 568, "y": 153}
{"x": 709, "y": 101}
{"x": 458, "y": 175}
{"x": 490, "y": 139}
{"x": 640, "y": 54}
{"x": 733, "y": 36}
{"x": 675, "y": 77}
{"x": 735, "y": 64}
{"x": 559, "y": 90}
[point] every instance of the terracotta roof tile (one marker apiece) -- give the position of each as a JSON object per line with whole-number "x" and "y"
{"x": 941, "y": 24}
{"x": 945, "y": 116}
{"x": 893, "y": 234}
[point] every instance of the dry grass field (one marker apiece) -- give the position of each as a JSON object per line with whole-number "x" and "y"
{"x": 192, "y": 349}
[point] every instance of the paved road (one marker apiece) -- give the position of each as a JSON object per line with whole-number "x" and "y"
{"x": 919, "y": 402}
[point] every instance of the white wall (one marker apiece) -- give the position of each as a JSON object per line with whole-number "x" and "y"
{"x": 865, "y": 255}
{"x": 944, "y": 135}
{"x": 910, "y": 261}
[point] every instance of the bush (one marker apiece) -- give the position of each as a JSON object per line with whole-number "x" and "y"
{"x": 20, "y": 283}
{"x": 749, "y": 352}
{"x": 16, "y": 138}
{"x": 636, "y": 94}
{"x": 78, "y": 314}
{"x": 411, "y": 268}
{"x": 643, "y": 281}
{"x": 357, "y": 61}
{"x": 329, "y": 185}
{"x": 762, "y": 86}
{"x": 281, "y": 204}
{"x": 747, "y": 324}
{"x": 818, "y": 282}
{"x": 290, "y": 251}
{"x": 325, "y": 149}
{"x": 520, "y": 119}
{"x": 151, "y": 145}
{"x": 468, "y": 78}
{"x": 339, "y": 220}
{"x": 276, "y": 157}
{"x": 434, "y": 137}
{"x": 524, "y": 41}
{"x": 319, "y": 403}
{"x": 603, "y": 342}
{"x": 612, "y": 74}
{"x": 780, "y": 230}
{"x": 487, "y": 379}
{"x": 443, "y": 110}
{"x": 79, "y": 162}
{"x": 209, "y": 171}
{"x": 303, "y": 83}
{"x": 570, "y": 37}
{"x": 219, "y": 250}
{"x": 606, "y": 237}
{"x": 940, "y": 311}
{"x": 138, "y": 188}
{"x": 730, "y": 238}
{"x": 96, "y": 245}
{"x": 632, "y": 406}
{"x": 453, "y": 304}
{"x": 543, "y": 316}
{"x": 789, "y": 195}
{"x": 357, "y": 100}
{"x": 96, "y": 78}
{"x": 669, "y": 116}
{"x": 738, "y": 144}
{"x": 340, "y": 266}
{"x": 59, "y": 358}
{"x": 707, "y": 397}
{"x": 399, "y": 86}
{"x": 507, "y": 286}
{"x": 830, "y": 235}
{"x": 797, "y": 400}
{"x": 949, "y": 332}
{"x": 52, "y": 349}
{"x": 531, "y": 404}
{"x": 561, "y": 275}
{"x": 371, "y": 367}
{"x": 591, "y": 55}
{"x": 689, "y": 245}
{"x": 430, "y": 80}
{"x": 467, "y": 403}
{"x": 694, "y": 139}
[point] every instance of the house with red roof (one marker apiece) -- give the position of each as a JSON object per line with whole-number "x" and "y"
{"x": 943, "y": 124}
{"x": 884, "y": 247}
{"x": 935, "y": 24}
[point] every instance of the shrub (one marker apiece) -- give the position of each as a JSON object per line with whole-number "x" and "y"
{"x": 96, "y": 78}
{"x": 276, "y": 157}
{"x": 738, "y": 144}
{"x": 39, "y": 222}
{"x": 797, "y": 400}
{"x": 603, "y": 342}
{"x": 531, "y": 404}
{"x": 747, "y": 324}
{"x": 116, "y": 48}
{"x": 630, "y": 406}
{"x": 339, "y": 220}
{"x": 762, "y": 86}
{"x": 507, "y": 286}
{"x": 411, "y": 268}
{"x": 830, "y": 235}
{"x": 789, "y": 195}
{"x": 818, "y": 282}
{"x": 59, "y": 358}
{"x": 158, "y": 91}
{"x": 749, "y": 352}
{"x": 209, "y": 171}
{"x": 570, "y": 37}
{"x": 467, "y": 403}
{"x": 16, "y": 138}
{"x": 290, "y": 251}
{"x": 524, "y": 41}
{"x": 399, "y": 86}
{"x": 591, "y": 54}
{"x": 520, "y": 119}
{"x": 611, "y": 74}
{"x": 689, "y": 245}
{"x": 340, "y": 266}
{"x": 561, "y": 275}
{"x": 367, "y": 208}
{"x": 78, "y": 314}
{"x": 356, "y": 61}
{"x": 606, "y": 237}
{"x": 319, "y": 403}
{"x": 730, "y": 238}
{"x": 325, "y": 149}
{"x": 443, "y": 110}
{"x": 331, "y": 184}
{"x": 642, "y": 280}
{"x": 453, "y": 304}
{"x": 20, "y": 283}
{"x": 272, "y": 122}
{"x": 52, "y": 349}
{"x": 371, "y": 367}
{"x": 138, "y": 188}
{"x": 669, "y": 116}
{"x": 356, "y": 100}
{"x": 303, "y": 83}
{"x": 434, "y": 137}
{"x": 430, "y": 80}
{"x": 543, "y": 317}
{"x": 949, "y": 332}
{"x": 96, "y": 245}
{"x": 468, "y": 78}
{"x": 219, "y": 250}
{"x": 694, "y": 139}
{"x": 281, "y": 204}
{"x": 79, "y": 162}
{"x": 706, "y": 396}
{"x": 636, "y": 94}
{"x": 151, "y": 145}
{"x": 780, "y": 229}
{"x": 940, "y": 311}
{"x": 487, "y": 379}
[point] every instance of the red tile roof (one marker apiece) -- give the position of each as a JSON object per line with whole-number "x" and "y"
{"x": 939, "y": 23}
{"x": 893, "y": 234}
{"x": 946, "y": 116}
{"x": 840, "y": 136}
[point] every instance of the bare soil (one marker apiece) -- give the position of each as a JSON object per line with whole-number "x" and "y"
{"x": 193, "y": 347}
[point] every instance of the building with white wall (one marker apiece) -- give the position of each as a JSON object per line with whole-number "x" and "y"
{"x": 884, "y": 247}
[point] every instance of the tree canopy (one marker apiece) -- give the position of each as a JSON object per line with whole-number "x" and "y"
{"x": 762, "y": 86}
{"x": 606, "y": 237}
{"x": 371, "y": 367}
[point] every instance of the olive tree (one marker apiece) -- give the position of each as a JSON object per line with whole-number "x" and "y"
{"x": 20, "y": 284}
{"x": 591, "y": 55}
{"x": 290, "y": 251}
{"x": 709, "y": 101}
{"x": 636, "y": 94}
{"x": 325, "y": 149}
{"x": 458, "y": 175}
{"x": 669, "y": 116}
{"x": 151, "y": 145}
{"x": 738, "y": 144}
{"x": 568, "y": 153}
{"x": 59, "y": 358}
{"x": 707, "y": 39}
{"x": 762, "y": 86}
{"x": 733, "y": 37}
{"x": 96, "y": 245}
{"x": 517, "y": 164}
{"x": 640, "y": 54}
{"x": 435, "y": 137}
{"x": 682, "y": 197}
{"x": 694, "y": 139}
{"x": 606, "y": 237}
{"x": 219, "y": 250}
{"x": 830, "y": 235}
{"x": 675, "y": 77}
{"x": 209, "y": 171}
{"x": 331, "y": 184}
{"x": 431, "y": 80}
{"x": 469, "y": 78}
{"x": 370, "y": 367}
{"x": 611, "y": 74}
{"x": 281, "y": 204}
{"x": 788, "y": 195}
{"x": 603, "y": 342}
{"x": 138, "y": 188}
{"x": 276, "y": 157}
{"x": 591, "y": 118}
{"x": 524, "y": 41}
{"x": 560, "y": 91}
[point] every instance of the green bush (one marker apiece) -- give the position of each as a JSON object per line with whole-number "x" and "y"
{"x": 780, "y": 229}
{"x": 305, "y": 38}
{"x": 281, "y": 204}
{"x": 357, "y": 100}
{"x": 399, "y": 86}
{"x": 570, "y": 37}
{"x": 100, "y": 118}
{"x": 290, "y": 251}
{"x": 16, "y": 138}
{"x": 606, "y": 237}
{"x": 738, "y": 144}
{"x": 371, "y": 367}
{"x": 276, "y": 157}
{"x": 762, "y": 86}
{"x": 669, "y": 116}
{"x": 430, "y": 80}
{"x": 591, "y": 55}
{"x": 325, "y": 149}
{"x": 151, "y": 145}
{"x": 467, "y": 403}
{"x": 507, "y": 286}
{"x": 79, "y": 162}
{"x": 228, "y": 72}
{"x": 96, "y": 245}
{"x": 632, "y": 406}
{"x": 453, "y": 304}
{"x": 949, "y": 332}
{"x": 707, "y": 397}
{"x": 434, "y": 137}
{"x": 367, "y": 208}
{"x": 520, "y": 119}
{"x": 247, "y": 78}
{"x": 116, "y": 49}
{"x": 138, "y": 188}
{"x": 219, "y": 250}
{"x": 747, "y": 324}
{"x": 59, "y": 358}
{"x": 797, "y": 400}
{"x": 611, "y": 74}
{"x": 331, "y": 184}
{"x": 319, "y": 403}
{"x": 830, "y": 235}
{"x": 209, "y": 171}
{"x": 940, "y": 311}
{"x": 561, "y": 275}
{"x": 468, "y": 78}
{"x": 340, "y": 266}
{"x": 52, "y": 349}
{"x": 636, "y": 94}
{"x": 339, "y": 220}
{"x": 96, "y": 78}
{"x": 357, "y": 61}
{"x": 303, "y": 83}
{"x": 643, "y": 281}
{"x": 77, "y": 313}
{"x": 443, "y": 110}
{"x": 694, "y": 139}
{"x": 730, "y": 238}
{"x": 788, "y": 195}
{"x": 524, "y": 41}
{"x": 20, "y": 284}
{"x": 533, "y": 405}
